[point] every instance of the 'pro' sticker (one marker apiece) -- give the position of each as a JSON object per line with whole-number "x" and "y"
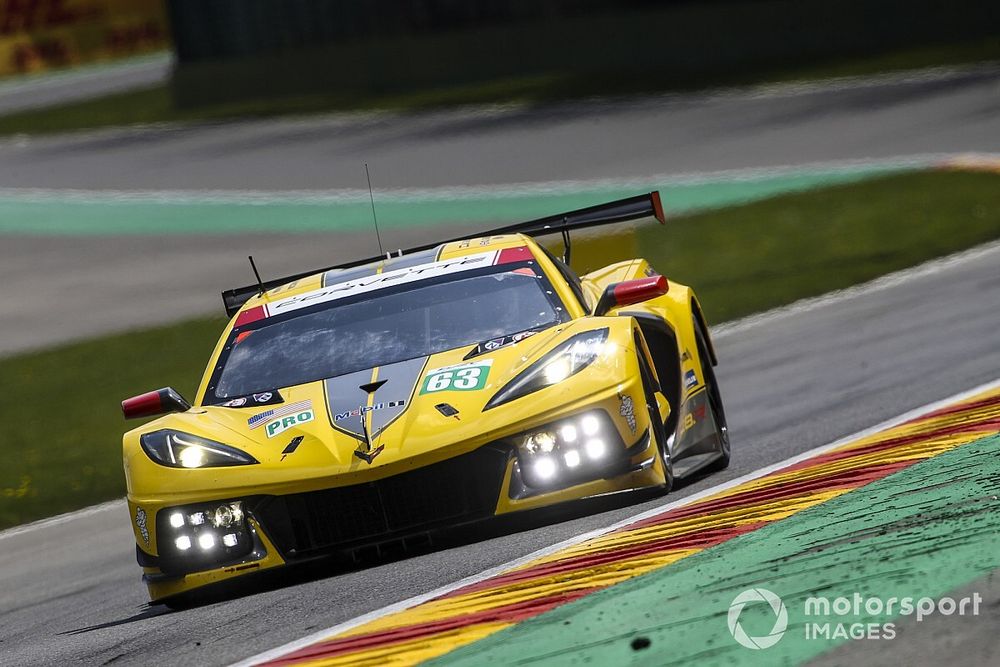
{"x": 282, "y": 424}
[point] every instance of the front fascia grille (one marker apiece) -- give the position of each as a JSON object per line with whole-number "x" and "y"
{"x": 459, "y": 490}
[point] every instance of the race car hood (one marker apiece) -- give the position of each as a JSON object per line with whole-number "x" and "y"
{"x": 416, "y": 412}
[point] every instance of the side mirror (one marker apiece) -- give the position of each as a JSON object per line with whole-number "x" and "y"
{"x": 153, "y": 403}
{"x": 631, "y": 291}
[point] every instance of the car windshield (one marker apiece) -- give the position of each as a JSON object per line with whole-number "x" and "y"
{"x": 384, "y": 327}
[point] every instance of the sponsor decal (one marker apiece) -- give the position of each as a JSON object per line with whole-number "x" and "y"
{"x": 282, "y": 424}
{"x": 140, "y": 523}
{"x": 265, "y": 398}
{"x": 469, "y": 376}
{"x": 291, "y": 408}
{"x": 380, "y": 281}
{"x": 627, "y": 410}
{"x": 365, "y": 409}
{"x": 497, "y": 343}
{"x": 494, "y": 344}
{"x": 690, "y": 380}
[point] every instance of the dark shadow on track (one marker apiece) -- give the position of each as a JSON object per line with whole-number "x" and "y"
{"x": 148, "y": 611}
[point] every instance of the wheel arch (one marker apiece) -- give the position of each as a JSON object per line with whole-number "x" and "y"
{"x": 699, "y": 317}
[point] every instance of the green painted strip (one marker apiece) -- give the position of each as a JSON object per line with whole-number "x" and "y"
{"x": 921, "y": 532}
{"x": 92, "y": 214}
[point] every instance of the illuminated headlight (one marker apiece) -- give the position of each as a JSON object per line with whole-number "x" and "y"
{"x": 219, "y": 531}
{"x": 567, "y": 359}
{"x": 596, "y": 448}
{"x": 543, "y": 442}
{"x": 545, "y": 467}
{"x": 571, "y": 449}
{"x": 183, "y": 450}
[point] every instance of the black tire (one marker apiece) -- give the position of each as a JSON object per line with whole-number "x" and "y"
{"x": 714, "y": 401}
{"x": 656, "y": 427}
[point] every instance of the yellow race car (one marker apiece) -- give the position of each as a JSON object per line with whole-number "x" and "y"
{"x": 370, "y": 404}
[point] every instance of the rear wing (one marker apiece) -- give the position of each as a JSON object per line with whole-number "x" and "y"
{"x": 622, "y": 210}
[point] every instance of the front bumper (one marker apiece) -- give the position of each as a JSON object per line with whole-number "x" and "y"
{"x": 464, "y": 489}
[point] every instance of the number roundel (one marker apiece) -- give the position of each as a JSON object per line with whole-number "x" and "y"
{"x": 468, "y": 377}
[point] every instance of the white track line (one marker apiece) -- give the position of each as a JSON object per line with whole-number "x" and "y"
{"x": 547, "y": 551}
{"x": 63, "y": 518}
{"x": 720, "y": 331}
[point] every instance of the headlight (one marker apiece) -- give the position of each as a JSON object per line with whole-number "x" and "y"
{"x": 568, "y": 359}
{"x": 573, "y": 449}
{"x": 195, "y": 537}
{"x": 183, "y": 450}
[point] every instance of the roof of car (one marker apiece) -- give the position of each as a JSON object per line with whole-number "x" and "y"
{"x": 394, "y": 262}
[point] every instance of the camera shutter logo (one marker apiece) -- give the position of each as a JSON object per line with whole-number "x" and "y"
{"x": 780, "y": 621}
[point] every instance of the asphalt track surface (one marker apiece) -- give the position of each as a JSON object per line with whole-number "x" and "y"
{"x": 149, "y": 280}
{"x": 792, "y": 382}
{"x": 930, "y": 112}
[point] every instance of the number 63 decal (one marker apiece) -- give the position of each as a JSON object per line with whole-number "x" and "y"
{"x": 463, "y": 377}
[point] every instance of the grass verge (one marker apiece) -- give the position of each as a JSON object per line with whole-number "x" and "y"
{"x": 155, "y": 104}
{"x": 61, "y": 441}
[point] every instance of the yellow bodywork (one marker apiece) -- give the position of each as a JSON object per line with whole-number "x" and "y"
{"x": 421, "y": 435}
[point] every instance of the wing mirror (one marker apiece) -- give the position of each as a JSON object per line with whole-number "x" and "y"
{"x": 153, "y": 403}
{"x": 631, "y": 291}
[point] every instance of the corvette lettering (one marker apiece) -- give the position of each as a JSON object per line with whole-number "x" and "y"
{"x": 380, "y": 281}
{"x": 282, "y": 424}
